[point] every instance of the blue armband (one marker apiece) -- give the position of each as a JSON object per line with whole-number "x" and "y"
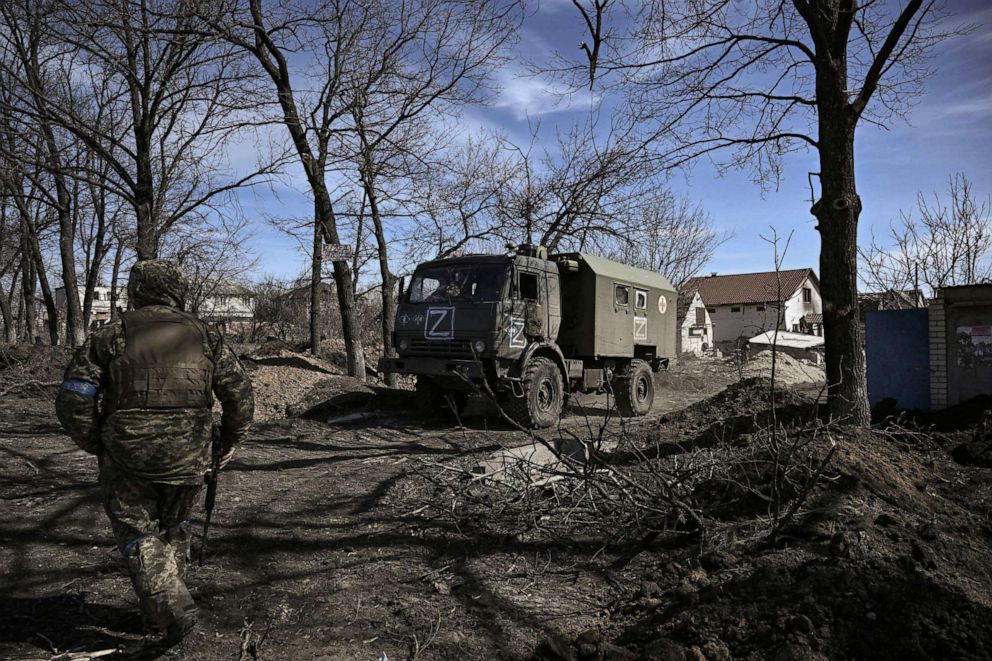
{"x": 84, "y": 388}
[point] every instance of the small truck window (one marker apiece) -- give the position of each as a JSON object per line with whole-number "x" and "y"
{"x": 528, "y": 286}
{"x": 640, "y": 299}
{"x": 622, "y": 294}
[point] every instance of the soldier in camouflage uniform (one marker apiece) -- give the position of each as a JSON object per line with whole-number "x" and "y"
{"x": 138, "y": 395}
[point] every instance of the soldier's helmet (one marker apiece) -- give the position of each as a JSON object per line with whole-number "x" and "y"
{"x": 157, "y": 282}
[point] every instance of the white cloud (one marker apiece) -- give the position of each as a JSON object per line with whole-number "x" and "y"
{"x": 529, "y": 96}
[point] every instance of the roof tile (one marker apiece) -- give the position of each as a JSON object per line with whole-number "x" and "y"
{"x": 750, "y": 287}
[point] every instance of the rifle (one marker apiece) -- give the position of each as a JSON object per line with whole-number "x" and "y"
{"x": 216, "y": 451}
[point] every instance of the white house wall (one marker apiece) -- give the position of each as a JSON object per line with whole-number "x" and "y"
{"x": 694, "y": 343}
{"x": 229, "y": 307}
{"x": 749, "y": 320}
{"x": 795, "y": 308}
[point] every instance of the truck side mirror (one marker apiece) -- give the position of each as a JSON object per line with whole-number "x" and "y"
{"x": 401, "y": 294}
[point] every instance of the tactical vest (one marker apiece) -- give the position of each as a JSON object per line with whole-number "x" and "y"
{"x": 165, "y": 363}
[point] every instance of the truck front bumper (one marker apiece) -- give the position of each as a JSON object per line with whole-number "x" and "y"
{"x": 438, "y": 367}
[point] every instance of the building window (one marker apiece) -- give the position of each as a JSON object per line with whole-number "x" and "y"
{"x": 697, "y": 332}
{"x": 759, "y": 308}
{"x": 735, "y": 309}
{"x": 807, "y": 295}
{"x": 795, "y": 328}
{"x": 711, "y": 310}
{"x": 621, "y": 294}
{"x": 640, "y": 299}
{"x": 700, "y": 316}
{"x": 96, "y": 295}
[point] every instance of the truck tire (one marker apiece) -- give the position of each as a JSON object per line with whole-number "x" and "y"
{"x": 634, "y": 392}
{"x": 432, "y": 400}
{"x": 543, "y": 395}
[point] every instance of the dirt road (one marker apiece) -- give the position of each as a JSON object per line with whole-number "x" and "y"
{"x": 371, "y": 538}
{"x": 320, "y": 547}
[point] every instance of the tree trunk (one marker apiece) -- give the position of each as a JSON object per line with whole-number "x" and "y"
{"x": 7, "y": 315}
{"x": 46, "y": 292}
{"x": 146, "y": 241}
{"x": 316, "y": 265}
{"x": 837, "y": 213}
{"x": 75, "y": 331}
{"x": 388, "y": 280}
{"x": 27, "y": 313}
{"x": 273, "y": 60}
{"x": 350, "y": 328}
{"x": 100, "y": 248}
{"x": 115, "y": 274}
{"x": 146, "y": 244}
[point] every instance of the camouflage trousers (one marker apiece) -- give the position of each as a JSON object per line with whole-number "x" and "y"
{"x": 149, "y": 521}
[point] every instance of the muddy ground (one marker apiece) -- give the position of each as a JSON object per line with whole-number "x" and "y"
{"x": 373, "y": 535}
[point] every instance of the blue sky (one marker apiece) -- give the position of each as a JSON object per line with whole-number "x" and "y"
{"x": 949, "y": 130}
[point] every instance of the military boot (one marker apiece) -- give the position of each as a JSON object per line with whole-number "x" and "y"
{"x": 162, "y": 594}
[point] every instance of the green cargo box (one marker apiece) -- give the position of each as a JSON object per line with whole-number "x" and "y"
{"x": 613, "y": 310}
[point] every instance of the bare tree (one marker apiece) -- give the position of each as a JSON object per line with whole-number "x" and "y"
{"x": 948, "y": 243}
{"x": 455, "y": 206}
{"x": 756, "y": 81}
{"x": 215, "y": 256}
{"x": 8, "y": 263}
{"x": 301, "y": 49}
{"x": 181, "y": 95}
{"x": 422, "y": 59}
{"x": 582, "y": 193}
{"x": 673, "y": 237}
{"x": 39, "y": 151}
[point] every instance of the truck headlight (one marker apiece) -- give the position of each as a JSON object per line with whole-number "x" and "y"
{"x": 403, "y": 344}
{"x": 479, "y": 346}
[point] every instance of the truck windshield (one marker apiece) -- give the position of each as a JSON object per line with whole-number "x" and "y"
{"x": 462, "y": 283}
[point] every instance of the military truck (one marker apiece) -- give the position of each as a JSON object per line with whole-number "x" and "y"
{"x": 531, "y": 328}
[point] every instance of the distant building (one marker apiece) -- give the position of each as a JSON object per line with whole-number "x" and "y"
{"x": 695, "y": 325}
{"x": 100, "y": 310}
{"x": 891, "y": 299}
{"x": 228, "y": 302}
{"x": 741, "y": 306}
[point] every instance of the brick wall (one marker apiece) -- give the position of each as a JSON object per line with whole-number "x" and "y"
{"x": 938, "y": 352}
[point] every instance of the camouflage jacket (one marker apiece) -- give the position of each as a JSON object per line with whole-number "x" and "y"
{"x": 162, "y": 445}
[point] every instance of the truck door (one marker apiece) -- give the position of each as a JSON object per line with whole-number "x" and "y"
{"x": 529, "y": 303}
{"x": 553, "y": 299}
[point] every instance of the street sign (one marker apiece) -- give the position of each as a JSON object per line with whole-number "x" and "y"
{"x": 339, "y": 253}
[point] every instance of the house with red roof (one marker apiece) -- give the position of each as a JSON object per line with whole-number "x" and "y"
{"x": 741, "y": 306}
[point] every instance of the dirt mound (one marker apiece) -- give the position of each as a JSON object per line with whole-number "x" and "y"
{"x": 788, "y": 370}
{"x": 271, "y": 346}
{"x": 743, "y": 408}
{"x": 284, "y": 358}
{"x": 33, "y": 370}
{"x": 885, "y": 564}
{"x": 339, "y": 395}
{"x": 277, "y": 388}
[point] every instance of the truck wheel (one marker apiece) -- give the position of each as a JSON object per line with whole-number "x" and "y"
{"x": 543, "y": 396}
{"x": 635, "y": 391}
